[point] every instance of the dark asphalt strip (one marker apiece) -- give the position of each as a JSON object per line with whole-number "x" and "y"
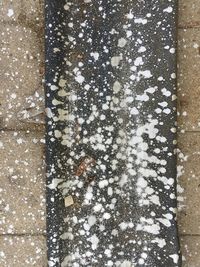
{"x": 111, "y": 133}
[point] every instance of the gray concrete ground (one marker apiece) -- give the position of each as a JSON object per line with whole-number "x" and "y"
{"x": 22, "y": 194}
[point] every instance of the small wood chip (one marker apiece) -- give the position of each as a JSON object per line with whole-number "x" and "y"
{"x": 69, "y": 201}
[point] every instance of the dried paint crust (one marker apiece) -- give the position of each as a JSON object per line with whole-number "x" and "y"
{"x": 111, "y": 133}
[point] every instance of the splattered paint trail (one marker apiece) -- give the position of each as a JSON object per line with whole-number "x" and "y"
{"x": 111, "y": 133}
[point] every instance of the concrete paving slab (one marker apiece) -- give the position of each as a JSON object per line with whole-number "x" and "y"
{"x": 21, "y": 74}
{"x": 22, "y": 178}
{"x": 189, "y": 13}
{"x": 22, "y": 251}
{"x": 190, "y": 250}
{"x": 27, "y": 13}
{"x": 189, "y": 158}
{"x": 189, "y": 79}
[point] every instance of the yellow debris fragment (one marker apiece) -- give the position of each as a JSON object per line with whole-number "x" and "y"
{"x": 69, "y": 201}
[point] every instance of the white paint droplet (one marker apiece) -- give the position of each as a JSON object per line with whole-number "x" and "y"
{"x": 80, "y": 79}
{"x": 115, "y": 60}
{"x": 66, "y": 7}
{"x": 122, "y": 42}
{"x": 116, "y": 87}
{"x": 10, "y": 12}
{"x": 168, "y": 9}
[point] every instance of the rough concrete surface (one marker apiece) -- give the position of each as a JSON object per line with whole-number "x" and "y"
{"x": 189, "y": 158}
{"x": 189, "y": 79}
{"x": 22, "y": 205}
{"x": 189, "y": 12}
{"x": 189, "y": 134}
{"x": 22, "y": 180}
{"x": 22, "y": 251}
